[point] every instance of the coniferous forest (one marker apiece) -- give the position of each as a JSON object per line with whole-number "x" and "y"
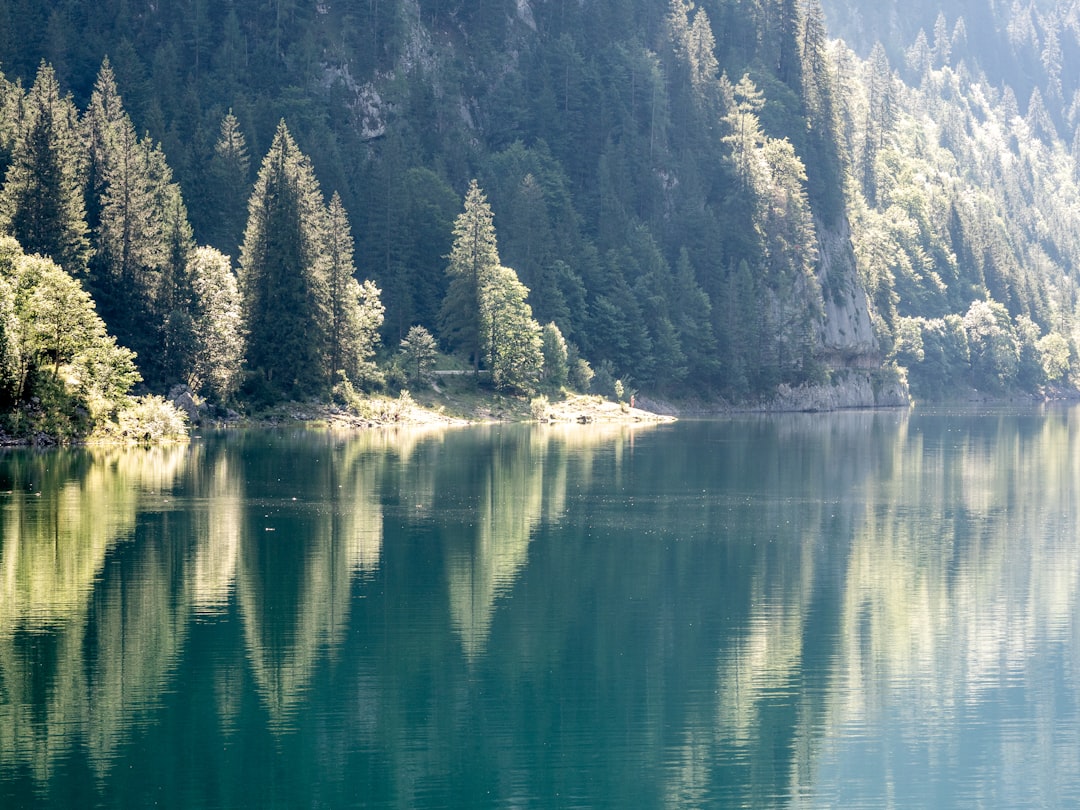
{"x": 712, "y": 200}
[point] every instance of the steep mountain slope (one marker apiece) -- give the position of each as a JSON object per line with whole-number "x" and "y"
{"x": 706, "y": 198}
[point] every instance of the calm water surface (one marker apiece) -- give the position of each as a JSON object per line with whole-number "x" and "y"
{"x": 815, "y": 611}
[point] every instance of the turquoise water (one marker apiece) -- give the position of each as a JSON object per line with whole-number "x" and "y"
{"x": 850, "y": 610}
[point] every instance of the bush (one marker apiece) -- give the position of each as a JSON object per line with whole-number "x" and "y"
{"x": 145, "y": 420}
{"x": 540, "y": 407}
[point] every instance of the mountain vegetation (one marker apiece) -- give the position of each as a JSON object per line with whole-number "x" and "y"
{"x": 712, "y": 200}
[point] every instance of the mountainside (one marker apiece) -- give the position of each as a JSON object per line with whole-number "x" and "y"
{"x": 709, "y": 199}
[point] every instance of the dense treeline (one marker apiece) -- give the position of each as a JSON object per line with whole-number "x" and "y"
{"x": 698, "y": 198}
{"x": 964, "y": 211}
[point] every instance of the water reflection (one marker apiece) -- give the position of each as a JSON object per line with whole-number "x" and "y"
{"x": 955, "y": 615}
{"x": 74, "y": 663}
{"x": 854, "y": 610}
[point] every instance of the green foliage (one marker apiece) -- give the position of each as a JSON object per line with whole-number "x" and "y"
{"x": 556, "y": 368}
{"x": 670, "y": 220}
{"x": 10, "y": 360}
{"x": 418, "y": 351}
{"x": 141, "y": 237}
{"x": 1054, "y": 356}
{"x": 511, "y": 338}
{"x": 63, "y": 374}
{"x": 995, "y": 354}
{"x": 144, "y": 420}
{"x": 474, "y": 257}
{"x": 41, "y": 203}
{"x": 355, "y": 311}
{"x": 282, "y": 272}
{"x": 540, "y": 408}
{"x": 579, "y": 373}
{"x": 216, "y": 327}
{"x": 227, "y": 186}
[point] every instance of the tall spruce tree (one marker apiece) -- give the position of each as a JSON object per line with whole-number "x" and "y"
{"x": 355, "y": 311}
{"x": 11, "y": 96}
{"x": 283, "y": 273}
{"x": 41, "y": 203}
{"x": 473, "y": 258}
{"x": 102, "y": 123}
{"x": 230, "y": 187}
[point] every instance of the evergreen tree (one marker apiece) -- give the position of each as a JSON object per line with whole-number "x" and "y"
{"x": 341, "y": 288}
{"x": 11, "y": 96}
{"x": 419, "y": 350}
{"x": 126, "y": 269}
{"x": 474, "y": 257}
{"x": 942, "y": 41}
{"x": 361, "y": 315}
{"x": 41, "y": 203}
{"x": 283, "y": 273}
{"x": 880, "y": 113}
{"x": 824, "y": 162}
{"x": 789, "y": 62}
{"x": 102, "y": 125}
{"x": 692, "y": 313}
{"x": 919, "y": 57}
{"x": 229, "y": 188}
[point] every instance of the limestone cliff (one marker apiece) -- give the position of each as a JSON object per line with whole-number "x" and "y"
{"x": 846, "y": 332}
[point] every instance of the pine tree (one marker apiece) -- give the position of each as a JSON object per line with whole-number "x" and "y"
{"x": 419, "y": 350}
{"x": 693, "y": 322}
{"x": 355, "y": 311}
{"x": 880, "y": 115}
{"x": 230, "y": 187}
{"x": 125, "y": 271}
{"x": 339, "y": 254}
{"x": 789, "y": 63}
{"x": 825, "y": 165}
{"x": 41, "y": 203}
{"x": 102, "y": 124}
{"x": 174, "y": 300}
{"x": 11, "y": 96}
{"x": 283, "y": 273}
{"x": 474, "y": 256}
{"x": 942, "y": 41}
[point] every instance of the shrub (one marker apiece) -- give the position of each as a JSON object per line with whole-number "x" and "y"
{"x": 145, "y": 420}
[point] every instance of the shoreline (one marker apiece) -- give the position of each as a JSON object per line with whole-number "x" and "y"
{"x": 434, "y": 408}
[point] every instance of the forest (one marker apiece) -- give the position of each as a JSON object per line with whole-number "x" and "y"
{"x": 709, "y": 201}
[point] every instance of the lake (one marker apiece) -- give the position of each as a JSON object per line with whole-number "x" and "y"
{"x": 857, "y": 610}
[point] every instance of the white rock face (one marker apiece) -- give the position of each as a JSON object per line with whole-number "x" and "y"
{"x": 846, "y": 330}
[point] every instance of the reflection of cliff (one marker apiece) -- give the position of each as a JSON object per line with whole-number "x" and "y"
{"x": 962, "y": 584}
{"x": 63, "y": 681}
{"x": 792, "y": 495}
{"x": 296, "y": 565}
